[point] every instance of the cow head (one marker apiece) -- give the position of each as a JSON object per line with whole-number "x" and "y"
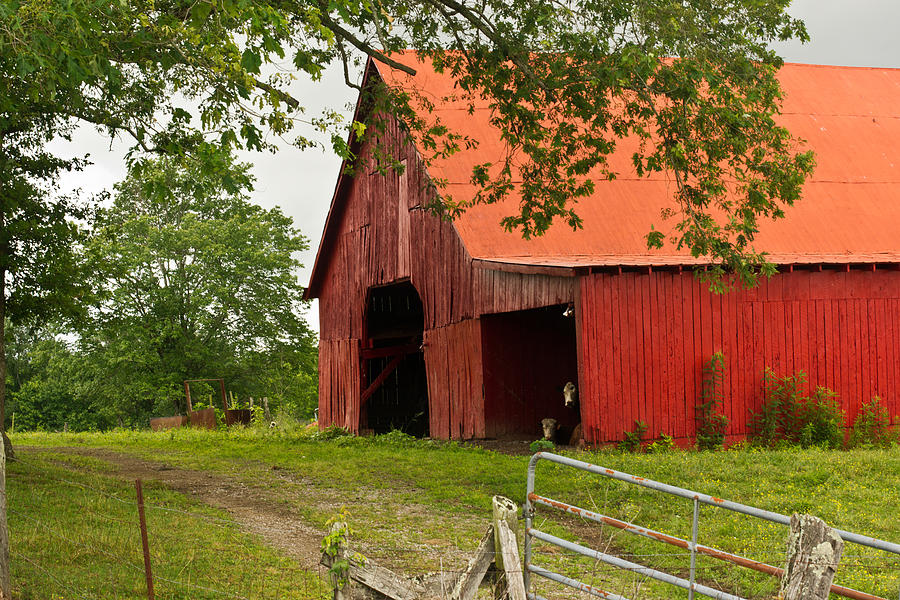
{"x": 550, "y": 426}
{"x": 570, "y": 393}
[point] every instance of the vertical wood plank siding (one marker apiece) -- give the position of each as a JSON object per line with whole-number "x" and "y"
{"x": 644, "y": 337}
{"x": 381, "y": 233}
{"x": 453, "y": 364}
{"x": 338, "y": 385}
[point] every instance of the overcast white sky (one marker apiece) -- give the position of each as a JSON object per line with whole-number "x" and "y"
{"x": 852, "y": 33}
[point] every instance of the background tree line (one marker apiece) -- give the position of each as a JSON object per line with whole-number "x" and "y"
{"x": 184, "y": 278}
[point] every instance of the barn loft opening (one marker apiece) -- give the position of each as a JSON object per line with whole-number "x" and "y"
{"x": 529, "y": 356}
{"x": 395, "y": 393}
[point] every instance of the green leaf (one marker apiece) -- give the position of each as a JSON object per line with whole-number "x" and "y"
{"x": 251, "y": 61}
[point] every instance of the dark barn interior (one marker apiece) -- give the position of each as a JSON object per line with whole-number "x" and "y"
{"x": 529, "y": 356}
{"x": 396, "y": 388}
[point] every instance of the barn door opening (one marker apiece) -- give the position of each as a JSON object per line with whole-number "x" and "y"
{"x": 529, "y": 356}
{"x": 395, "y": 388}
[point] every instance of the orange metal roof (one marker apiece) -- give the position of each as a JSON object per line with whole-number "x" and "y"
{"x": 850, "y": 211}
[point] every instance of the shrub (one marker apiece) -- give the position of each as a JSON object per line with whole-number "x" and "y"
{"x": 542, "y": 445}
{"x": 331, "y": 432}
{"x": 633, "y": 439}
{"x": 395, "y": 437}
{"x": 872, "y": 426}
{"x": 711, "y": 423}
{"x": 822, "y": 420}
{"x": 664, "y": 443}
{"x": 790, "y": 417}
{"x": 780, "y": 417}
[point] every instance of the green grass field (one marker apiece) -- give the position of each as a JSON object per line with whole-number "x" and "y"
{"x": 74, "y": 534}
{"x": 418, "y": 506}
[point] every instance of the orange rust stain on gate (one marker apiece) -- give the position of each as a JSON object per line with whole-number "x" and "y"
{"x": 705, "y": 550}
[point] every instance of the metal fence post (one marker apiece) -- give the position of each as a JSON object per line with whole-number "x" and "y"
{"x": 695, "y": 527}
{"x": 529, "y": 515}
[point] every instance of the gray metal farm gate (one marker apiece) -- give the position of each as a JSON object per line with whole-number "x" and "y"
{"x": 692, "y": 545}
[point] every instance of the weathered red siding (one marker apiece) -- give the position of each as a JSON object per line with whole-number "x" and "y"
{"x": 453, "y": 363}
{"x": 380, "y": 233}
{"x": 497, "y": 291}
{"x": 339, "y": 384}
{"x": 643, "y": 339}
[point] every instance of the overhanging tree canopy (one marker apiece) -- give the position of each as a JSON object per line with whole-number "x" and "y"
{"x": 695, "y": 81}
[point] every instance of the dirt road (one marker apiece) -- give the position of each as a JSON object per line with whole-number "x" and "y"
{"x": 255, "y": 509}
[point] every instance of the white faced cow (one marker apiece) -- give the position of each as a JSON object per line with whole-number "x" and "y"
{"x": 570, "y": 394}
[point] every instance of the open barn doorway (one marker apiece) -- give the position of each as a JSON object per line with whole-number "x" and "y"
{"x": 529, "y": 356}
{"x": 395, "y": 392}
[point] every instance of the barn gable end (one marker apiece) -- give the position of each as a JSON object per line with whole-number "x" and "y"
{"x": 379, "y": 235}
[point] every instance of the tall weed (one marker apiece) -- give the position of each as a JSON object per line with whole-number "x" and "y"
{"x": 872, "y": 427}
{"x": 779, "y": 418}
{"x": 711, "y": 423}
{"x": 633, "y": 439}
{"x": 823, "y": 420}
{"x": 790, "y": 417}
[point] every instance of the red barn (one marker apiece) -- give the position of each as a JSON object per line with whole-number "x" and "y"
{"x": 459, "y": 329}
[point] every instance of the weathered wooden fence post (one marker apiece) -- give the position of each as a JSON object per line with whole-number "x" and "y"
{"x": 142, "y": 519}
{"x": 4, "y": 532}
{"x": 814, "y": 551}
{"x": 466, "y": 587}
{"x": 336, "y": 549}
{"x": 506, "y": 546}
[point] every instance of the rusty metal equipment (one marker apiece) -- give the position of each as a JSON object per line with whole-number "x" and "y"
{"x": 237, "y": 416}
{"x": 187, "y": 391}
{"x": 160, "y": 423}
{"x": 691, "y": 585}
{"x": 207, "y": 416}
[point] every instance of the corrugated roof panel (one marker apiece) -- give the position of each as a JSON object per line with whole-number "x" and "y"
{"x": 850, "y": 211}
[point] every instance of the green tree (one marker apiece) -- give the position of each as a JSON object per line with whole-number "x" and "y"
{"x": 287, "y": 375}
{"x": 55, "y": 388}
{"x": 40, "y": 270}
{"x": 197, "y": 282}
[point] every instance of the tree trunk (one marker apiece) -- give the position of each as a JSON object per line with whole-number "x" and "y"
{"x": 4, "y": 534}
{"x": 814, "y": 551}
{"x": 7, "y": 445}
